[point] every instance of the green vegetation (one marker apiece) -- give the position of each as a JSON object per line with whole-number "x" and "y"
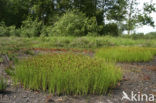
{"x": 1, "y": 60}
{"x": 56, "y": 17}
{"x": 126, "y": 54}
{"x": 30, "y": 28}
{"x": 3, "y": 84}
{"x": 13, "y": 44}
{"x": 67, "y": 73}
{"x": 70, "y": 73}
{"x": 30, "y": 25}
{"x": 74, "y": 23}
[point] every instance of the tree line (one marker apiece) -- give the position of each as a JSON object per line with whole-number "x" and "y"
{"x": 109, "y": 15}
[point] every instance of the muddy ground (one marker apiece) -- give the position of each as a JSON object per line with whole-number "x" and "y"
{"x": 137, "y": 77}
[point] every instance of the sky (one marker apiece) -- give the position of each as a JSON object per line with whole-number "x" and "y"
{"x": 146, "y": 29}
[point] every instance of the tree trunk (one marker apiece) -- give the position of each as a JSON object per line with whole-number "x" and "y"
{"x": 129, "y": 17}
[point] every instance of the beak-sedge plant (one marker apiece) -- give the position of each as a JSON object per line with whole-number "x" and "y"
{"x": 126, "y": 54}
{"x": 3, "y": 84}
{"x": 67, "y": 73}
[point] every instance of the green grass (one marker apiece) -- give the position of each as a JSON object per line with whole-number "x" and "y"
{"x": 92, "y": 42}
{"x": 126, "y": 54}
{"x": 67, "y": 73}
{"x": 1, "y": 59}
{"x": 14, "y": 44}
{"x": 3, "y": 84}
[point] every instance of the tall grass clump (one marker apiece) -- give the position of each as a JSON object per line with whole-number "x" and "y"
{"x": 3, "y": 84}
{"x": 67, "y": 73}
{"x": 126, "y": 54}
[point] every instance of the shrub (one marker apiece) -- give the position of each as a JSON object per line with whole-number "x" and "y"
{"x": 31, "y": 28}
{"x": 3, "y": 30}
{"x": 126, "y": 54}
{"x": 8, "y": 31}
{"x": 46, "y": 31}
{"x": 150, "y": 35}
{"x": 67, "y": 73}
{"x": 3, "y": 84}
{"x": 111, "y": 29}
{"x": 74, "y": 23}
{"x": 1, "y": 60}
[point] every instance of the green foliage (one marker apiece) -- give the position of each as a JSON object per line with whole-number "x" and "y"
{"x": 74, "y": 23}
{"x": 3, "y": 84}
{"x": 137, "y": 36}
{"x": 126, "y": 54}
{"x": 14, "y": 12}
{"x": 67, "y": 73}
{"x": 118, "y": 10}
{"x": 46, "y": 31}
{"x": 1, "y": 60}
{"x": 111, "y": 29}
{"x": 80, "y": 43}
{"x": 11, "y": 45}
{"x": 31, "y": 28}
{"x": 137, "y": 19}
{"x": 151, "y": 35}
{"x": 3, "y": 30}
{"x": 8, "y": 30}
{"x": 91, "y": 42}
{"x": 9, "y": 71}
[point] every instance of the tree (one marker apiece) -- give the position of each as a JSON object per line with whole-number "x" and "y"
{"x": 13, "y": 12}
{"x": 43, "y": 10}
{"x": 75, "y": 23}
{"x": 136, "y": 17}
{"x": 145, "y": 18}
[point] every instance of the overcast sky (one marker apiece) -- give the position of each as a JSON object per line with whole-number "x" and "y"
{"x": 146, "y": 29}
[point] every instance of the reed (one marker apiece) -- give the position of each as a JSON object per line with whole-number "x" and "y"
{"x": 126, "y": 54}
{"x": 3, "y": 84}
{"x": 67, "y": 73}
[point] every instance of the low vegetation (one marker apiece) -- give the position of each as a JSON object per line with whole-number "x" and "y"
{"x": 1, "y": 60}
{"x": 126, "y": 54}
{"x": 3, "y": 84}
{"x": 14, "y": 44}
{"x": 67, "y": 73}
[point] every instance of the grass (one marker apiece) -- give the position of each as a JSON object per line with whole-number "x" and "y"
{"x": 92, "y": 42}
{"x": 14, "y": 44}
{"x": 67, "y": 73}
{"x": 3, "y": 84}
{"x": 70, "y": 73}
{"x": 1, "y": 59}
{"x": 126, "y": 54}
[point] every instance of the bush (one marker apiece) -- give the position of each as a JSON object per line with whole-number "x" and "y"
{"x": 67, "y": 73}
{"x": 31, "y": 28}
{"x": 111, "y": 29}
{"x": 137, "y": 36}
{"x": 3, "y": 30}
{"x": 46, "y": 31}
{"x": 75, "y": 23}
{"x": 3, "y": 84}
{"x": 8, "y": 31}
{"x": 151, "y": 35}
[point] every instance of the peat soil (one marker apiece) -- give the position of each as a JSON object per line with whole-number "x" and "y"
{"x": 137, "y": 77}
